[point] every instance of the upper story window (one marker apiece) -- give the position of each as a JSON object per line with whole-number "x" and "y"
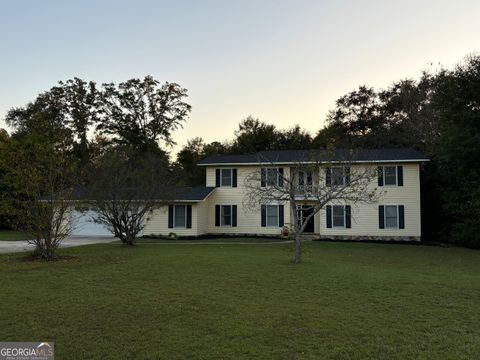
{"x": 226, "y": 177}
{"x": 390, "y": 175}
{"x": 305, "y": 178}
{"x": 338, "y": 175}
{"x": 271, "y": 177}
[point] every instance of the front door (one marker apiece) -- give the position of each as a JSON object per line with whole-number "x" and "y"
{"x": 303, "y": 212}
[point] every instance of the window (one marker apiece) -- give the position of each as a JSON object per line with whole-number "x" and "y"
{"x": 338, "y": 216}
{"x": 226, "y": 177}
{"x": 226, "y": 215}
{"x": 272, "y": 177}
{"x": 180, "y": 216}
{"x": 391, "y": 216}
{"x": 339, "y": 175}
{"x": 305, "y": 178}
{"x": 272, "y": 215}
{"x": 390, "y": 175}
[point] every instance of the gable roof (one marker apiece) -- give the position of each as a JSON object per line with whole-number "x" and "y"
{"x": 333, "y": 155}
{"x": 196, "y": 193}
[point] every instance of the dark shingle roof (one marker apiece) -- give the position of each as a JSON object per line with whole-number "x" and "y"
{"x": 197, "y": 193}
{"x": 293, "y": 156}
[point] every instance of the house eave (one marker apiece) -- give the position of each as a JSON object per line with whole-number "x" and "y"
{"x": 315, "y": 162}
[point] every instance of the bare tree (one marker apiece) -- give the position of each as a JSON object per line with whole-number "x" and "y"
{"x": 313, "y": 181}
{"x": 126, "y": 187}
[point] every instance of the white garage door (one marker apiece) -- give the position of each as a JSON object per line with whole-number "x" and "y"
{"x": 83, "y": 225}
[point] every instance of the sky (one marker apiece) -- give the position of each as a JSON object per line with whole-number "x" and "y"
{"x": 285, "y": 62}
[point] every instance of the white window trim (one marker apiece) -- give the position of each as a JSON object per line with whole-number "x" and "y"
{"x": 384, "y": 176}
{"x": 344, "y": 218}
{"x": 175, "y": 215}
{"x": 266, "y": 215}
{"x": 231, "y": 177}
{"x": 231, "y": 215}
{"x": 385, "y": 217}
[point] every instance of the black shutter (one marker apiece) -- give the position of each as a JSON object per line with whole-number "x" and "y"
{"x": 381, "y": 217}
{"x": 189, "y": 216}
{"x": 170, "y": 216}
{"x": 281, "y": 215}
{"x": 347, "y": 175}
{"x": 380, "y": 176}
{"x": 280, "y": 176}
{"x": 234, "y": 177}
{"x": 264, "y": 216}
{"x": 328, "y": 176}
{"x": 400, "y": 175}
{"x": 329, "y": 216}
{"x": 234, "y": 215}
{"x": 217, "y": 177}
{"x": 401, "y": 217}
{"x": 263, "y": 177}
{"x": 217, "y": 215}
{"x": 348, "y": 216}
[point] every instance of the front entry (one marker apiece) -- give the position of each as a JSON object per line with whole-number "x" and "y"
{"x": 303, "y": 212}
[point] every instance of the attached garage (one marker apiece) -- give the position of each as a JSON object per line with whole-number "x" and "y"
{"x": 83, "y": 225}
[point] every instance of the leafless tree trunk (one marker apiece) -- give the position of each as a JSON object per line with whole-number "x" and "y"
{"x": 324, "y": 186}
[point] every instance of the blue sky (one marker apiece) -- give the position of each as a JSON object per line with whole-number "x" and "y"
{"x": 282, "y": 61}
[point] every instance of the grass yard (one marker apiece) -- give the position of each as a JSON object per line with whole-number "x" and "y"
{"x": 167, "y": 301}
{"x": 11, "y": 235}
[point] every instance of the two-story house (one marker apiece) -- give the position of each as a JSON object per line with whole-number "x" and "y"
{"x": 219, "y": 209}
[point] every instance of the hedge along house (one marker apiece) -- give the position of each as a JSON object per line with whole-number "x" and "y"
{"x": 218, "y": 208}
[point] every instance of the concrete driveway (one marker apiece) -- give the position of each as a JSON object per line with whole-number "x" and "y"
{"x": 19, "y": 246}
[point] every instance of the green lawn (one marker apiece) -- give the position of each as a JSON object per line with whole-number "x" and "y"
{"x": 11, "y": 235}
{"x": 247, "y": 301}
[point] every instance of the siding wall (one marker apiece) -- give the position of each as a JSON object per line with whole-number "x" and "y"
{"x": 157, "y": 221}
{"x": 364, "y": 216}
{"x": 248, "y": 221}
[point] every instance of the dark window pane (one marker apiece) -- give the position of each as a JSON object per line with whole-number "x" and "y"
{"x": 272, "y": 177}
{"x": 390, "y": 175}
{"x": 338, "y": 216}
{"x": 337, "y": 176}
{"x": 226, "y": 177}
{"x": 226, "y": 215}
{"x": 391, "y": 218}
{"x": 272, "y": 215}
{"x": 180, "y": 214}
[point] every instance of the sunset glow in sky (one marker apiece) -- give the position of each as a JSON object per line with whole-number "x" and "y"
{"x": 284, "y": 62}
